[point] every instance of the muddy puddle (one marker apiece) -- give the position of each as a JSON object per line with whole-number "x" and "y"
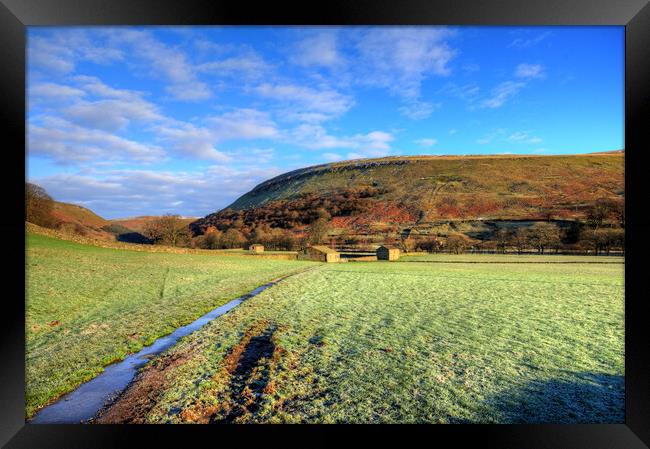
{"x": 84, "y": 403}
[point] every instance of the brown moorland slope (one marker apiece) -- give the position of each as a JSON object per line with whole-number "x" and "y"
{"x": 371, "y": 195}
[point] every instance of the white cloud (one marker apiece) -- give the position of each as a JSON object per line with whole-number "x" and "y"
{"x": 318, "y": 50}
{"x": 45, "y": 54}
{"x": 307, "y": 104}
{"x": 94, "y": 86}
{"x": 523, "y": 137}
{"x": 111, "y": 115}
{"x": 316, "y": 137}
{"x": 502, "y": 135}
{"x": 67, "y": 143}
{"x": 46, "y": 91}
{"x": 468, "y": 92}
{"x": 163, "y": 61}
{"x": 400, "y": 58}
{"x": 243, "y": 124}
{"x": 528, "y": 71}
{"x": 254, "y": 156}
{"x": 426, "y": 142}
{"x": 60, "y": 51}
{"x": 190, "y": 140}
{"x": 374, "y": 141}
{"x": 93, "y": 104}
{"x": 526, "y": 42}
{"x": 120, "y": 193}
{"x": 249, "y": 65}
{"x": 418, "y": 110}
{"x": 502, "y": 93}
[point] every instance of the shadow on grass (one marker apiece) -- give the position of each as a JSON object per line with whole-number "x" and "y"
{"x": 133, "y": 237}
{"x": 579, "y": 399}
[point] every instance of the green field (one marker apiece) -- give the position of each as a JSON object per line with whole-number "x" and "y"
{"x": 510, "y": 258}
{"x": 403, "y": 343}
{"x": 88, "y": 306}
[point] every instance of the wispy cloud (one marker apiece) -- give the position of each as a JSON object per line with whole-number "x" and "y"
{"x": 191, "y": 140}
{"x": 306, "y": 103}
{"x": 244, "y": 123}
{"x": 507, "y": 90}
{"x": 523, "y": 137}
{"x": 67, "y": 143}
{"x": 401, "y": 58}
{"x": 528, "y": 71}
{"x": 46, "y": 91}
{"x": 426, "y": 142}
{"x": 418, "y": 110}
{"x": 164, "y": 61}
{"x": 502, "y": 135}
{"x": 60, "y": 51}
{"x": 188, "y": 140}
{"x": 316, "y": 137}
{"x": 468, "y": 92}
{"x": 249, "y": 65}
{"x": 502, "y": 93}
{"x": 529, "y": 40}
{"x": 319, "y": 50}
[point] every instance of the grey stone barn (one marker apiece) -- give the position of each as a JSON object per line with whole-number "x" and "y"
{"x": 386, "y": 252}
{"x": 319, "y": 253}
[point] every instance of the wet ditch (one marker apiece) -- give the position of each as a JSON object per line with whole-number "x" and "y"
{"x": 84, "y": 403}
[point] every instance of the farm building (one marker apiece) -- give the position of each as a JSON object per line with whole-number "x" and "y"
{"x": 387, "y": 253}
{"x": 320, "y": 253}
{"x": 256, "y": 248}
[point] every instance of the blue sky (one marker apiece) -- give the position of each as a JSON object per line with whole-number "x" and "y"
{"x": 149, "y": 120}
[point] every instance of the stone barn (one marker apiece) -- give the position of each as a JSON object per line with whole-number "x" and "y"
{"x": 386, "y": 252}
{"x": 256, "y": 248}
{"x": 319, "y": 253}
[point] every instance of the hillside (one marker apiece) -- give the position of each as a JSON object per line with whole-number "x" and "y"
{"x": 393, "y": 193}
{"x": 138, "y": 224}
{"x": 80, "y": 220}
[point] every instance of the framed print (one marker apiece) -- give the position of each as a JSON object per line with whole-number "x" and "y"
{"x": 426, "y": 217}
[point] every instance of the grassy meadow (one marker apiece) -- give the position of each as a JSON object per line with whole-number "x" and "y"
{"x": 403, "y": 343}
{"x": 88, "y": 306}
{"x": 509, "y": 258}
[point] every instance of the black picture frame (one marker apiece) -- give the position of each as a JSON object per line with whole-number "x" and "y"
{"x": 16, "y": 15}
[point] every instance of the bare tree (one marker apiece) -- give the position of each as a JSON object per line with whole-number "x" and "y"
{"x": 501, "y": 239}
{"x": 519, "y": 239}
{"x": 168, "y": 229}
{"x": 317, "y": 231}
{"x": 543, "y": 236}
{"x": 38, "y": 205}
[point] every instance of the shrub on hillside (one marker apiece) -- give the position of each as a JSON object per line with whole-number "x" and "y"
{"x": 458, "y": 243}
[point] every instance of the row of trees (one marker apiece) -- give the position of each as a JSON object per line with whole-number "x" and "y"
{"x": 541, "y": 237}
